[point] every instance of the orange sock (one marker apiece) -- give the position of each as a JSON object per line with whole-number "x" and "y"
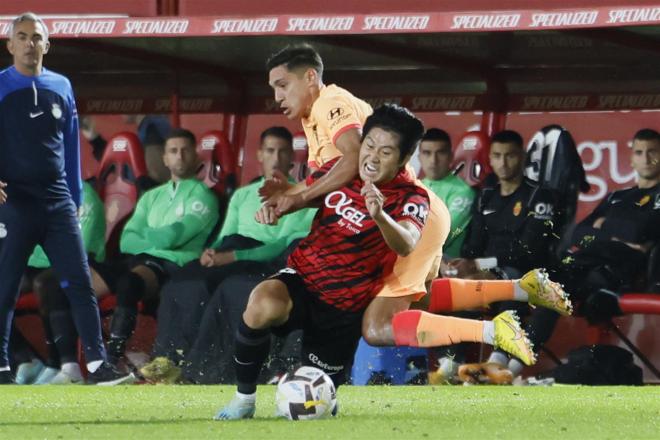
{"x": 415, "y": 328}
{"x": 451, "y": 294}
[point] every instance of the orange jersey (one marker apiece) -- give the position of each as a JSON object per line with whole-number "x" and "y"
{"x": 337, "y": 110}
{"x": 333, "y": 112}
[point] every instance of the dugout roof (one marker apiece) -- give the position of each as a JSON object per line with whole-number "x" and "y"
{"x": 462, "y": 56}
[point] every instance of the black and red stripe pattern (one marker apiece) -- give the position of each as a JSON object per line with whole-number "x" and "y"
{"x": 345, "y": 259}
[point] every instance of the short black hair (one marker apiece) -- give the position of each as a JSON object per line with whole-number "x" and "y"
{"x": 399, "y": 120}
{"x": 508, "y": 137}
{"x": 279, "y": 132}
{"x": 436, "y": 135}
{"x": 182, "y": 133}
{"x": 646, "y": 134}
{"x": 295, "y": 57}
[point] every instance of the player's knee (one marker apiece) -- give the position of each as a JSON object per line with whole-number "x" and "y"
{"x": 267, "y": 307}
{"x": 377, "y": 332}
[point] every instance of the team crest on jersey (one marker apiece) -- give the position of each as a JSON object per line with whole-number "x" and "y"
{"x": 56, "y": 111}
{"x": 517, "y": 208}
{"x": 644, "y": 200}
{"x": 3, "y": 231}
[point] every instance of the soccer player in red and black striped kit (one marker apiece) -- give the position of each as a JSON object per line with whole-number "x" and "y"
{"x": 359, "y": 232}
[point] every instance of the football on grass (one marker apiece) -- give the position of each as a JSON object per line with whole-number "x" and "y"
{"x": 307, "y": 393}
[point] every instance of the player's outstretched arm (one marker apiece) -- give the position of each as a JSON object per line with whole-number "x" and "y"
{"x": 401, "y": 237}
{"x": 3, "y": 194}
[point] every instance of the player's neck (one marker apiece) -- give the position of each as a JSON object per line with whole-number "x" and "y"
{"x": 29, "y": 70}
{"x": 508, "y": 187}
{"x": 647, "y": 183}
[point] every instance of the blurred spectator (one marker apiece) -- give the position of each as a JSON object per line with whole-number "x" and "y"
{"x": 168, "y": 228}
{"x": 243, "y": 247}
{"x": 511, "y": 230}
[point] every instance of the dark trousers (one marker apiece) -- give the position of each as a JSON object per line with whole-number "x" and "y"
{"x": 26, "y": 222}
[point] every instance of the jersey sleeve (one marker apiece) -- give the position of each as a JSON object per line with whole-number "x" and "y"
{"x": 72, "y": 150}
{"x": 459, "y": 205}
{"x": 414, "y": 208}
{"x": 92, "y": 223}
{"x": 132, "y": 237}
{"x": 337, "y": 114}
{"x": 316, "y": 175}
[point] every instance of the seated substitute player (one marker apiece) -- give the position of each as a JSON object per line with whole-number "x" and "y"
{"x": 336, "y": 271}
{"x": 243, "y": 246}
{"x": 168, "y": 228}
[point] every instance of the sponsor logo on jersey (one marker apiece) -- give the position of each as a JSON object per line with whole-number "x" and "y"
{"x": 341, "y": 203}
{"x": 415, "y": 210}
{"x": 517, "y": 208}
{"x": 335, "y": 113}
{"x": 544, "y": 211}
{"x": 318, "y": 362}
{"x": 199, "y": 209}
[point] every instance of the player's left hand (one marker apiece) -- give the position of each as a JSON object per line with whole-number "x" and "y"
{"x": 373, "y": 199}
{"x": 273, "y": 188}
{"x": 266, "y": 215}
{"x": 3, "y": 194}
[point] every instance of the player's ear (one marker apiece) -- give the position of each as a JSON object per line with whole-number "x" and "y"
{"x": 10, "y": 47}
{"x": 311, "y": 75}
{"x": 46, "y": 47}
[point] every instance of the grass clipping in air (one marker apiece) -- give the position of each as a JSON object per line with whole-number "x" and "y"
{"x": 384, "y": 413}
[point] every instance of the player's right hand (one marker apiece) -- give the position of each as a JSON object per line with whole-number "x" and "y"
{"x": 206, "y": 259}
{"x": 266, "y": 215}
{"x": 3, "y": 194}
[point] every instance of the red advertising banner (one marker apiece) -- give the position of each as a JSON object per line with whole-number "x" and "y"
{"x": 561, "y": 18}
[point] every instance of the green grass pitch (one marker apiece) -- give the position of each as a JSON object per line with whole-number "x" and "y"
{"x": 384, "y": 413}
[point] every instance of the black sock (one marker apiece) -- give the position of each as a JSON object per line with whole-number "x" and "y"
{"x": 252, "y": 347}
{"x": 52, "y": 353}
{"x": 65, "y": 335}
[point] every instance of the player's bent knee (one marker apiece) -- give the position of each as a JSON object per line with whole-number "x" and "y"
{"x": 269, "y": 305}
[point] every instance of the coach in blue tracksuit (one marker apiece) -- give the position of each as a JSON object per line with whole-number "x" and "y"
{"x": 40, "y": 188}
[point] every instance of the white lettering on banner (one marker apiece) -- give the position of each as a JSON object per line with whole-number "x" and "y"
{"x": 485, "y": 21}
{"x": 633, "y": 15}
{"x": 628, "y": 101}
{"x": 599, "y": 150}
{"x": 83, "y": 27}
{"x": 377, "y": 102}
{"x": 208, "y": 143}
{"x": 4, "y": 27}
{"x": 396, "y": 22}
{"x": 185, "y": 104}
{"x": 114, "y": 106}
{"x": 559, "y": 19}
{"x": 338, "y": 201}
{"x": 554, "y": 102}
{"x": 119, "y": 145}
{"x": 316, "y": 24}
{"x": 443, "y": 103}
{"x": 151, "y": 27}
{"x": 245, "y": 26}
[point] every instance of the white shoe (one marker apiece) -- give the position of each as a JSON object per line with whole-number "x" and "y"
{"x": 27, "y": 372}
{"x": 67, "y": 378}
{"x": 46, "y": 375}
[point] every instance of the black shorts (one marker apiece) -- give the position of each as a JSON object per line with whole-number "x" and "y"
{"x": 330, "y": 335}
{"x": 112, "y": 271}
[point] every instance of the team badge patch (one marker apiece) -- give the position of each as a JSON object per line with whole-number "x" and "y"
{"x": 644, "y": 200}
{"x": 517, "y": 208}
{"x": 56, "y": 111}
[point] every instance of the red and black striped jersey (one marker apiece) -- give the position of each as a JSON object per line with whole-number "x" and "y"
{"x": 345, "y": 258}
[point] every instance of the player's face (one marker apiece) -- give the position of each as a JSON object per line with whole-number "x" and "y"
{"x": 292, "y": 91}
{"x": 275, "y": 154}
{"x": 379, "y": 156}
{"x": 435, "y": 158}
{"x": 28, "y": 45}
{"x": 646, "y": 159}
{"x": 507, "y": 161}
{"x": 180, "y": 157}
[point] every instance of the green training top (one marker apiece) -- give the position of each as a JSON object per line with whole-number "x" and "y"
{"x": 172, "y": 221}
{"x": 240, "y": 220}
{"x": 458, "y": 197}
{"x": 92, "y": 225}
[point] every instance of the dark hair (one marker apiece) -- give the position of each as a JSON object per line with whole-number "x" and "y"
{"x": 436, "y": 135}
{"x": 182, "y": 133}
{"x": 295, "y": 57}
{"x": 279, "y": 132}
{"x": 646, "y": 134}
{"x": 508, "y": 137}
{"x": 399, "y": 120}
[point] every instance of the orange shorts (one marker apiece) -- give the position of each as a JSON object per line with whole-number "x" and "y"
{"x": 410, "y": 273}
